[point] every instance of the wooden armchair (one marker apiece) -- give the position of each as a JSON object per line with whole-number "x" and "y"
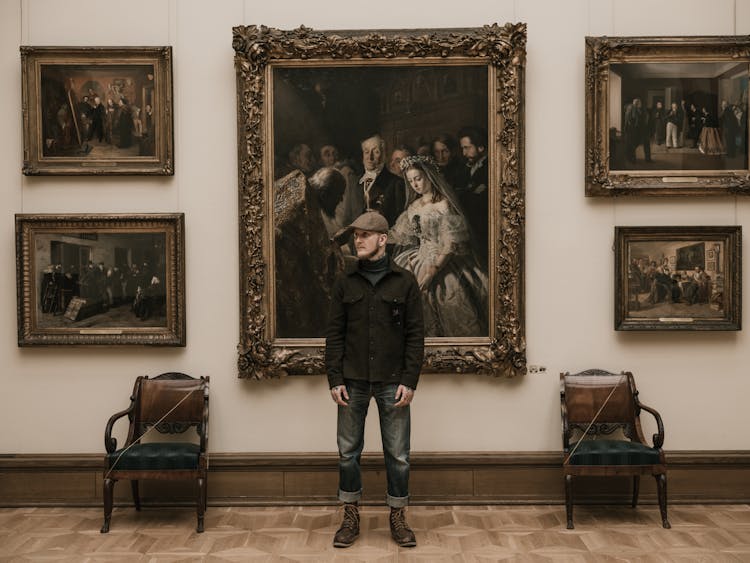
{"x": 170, "y": 403}
{"x": 595, "y": 406}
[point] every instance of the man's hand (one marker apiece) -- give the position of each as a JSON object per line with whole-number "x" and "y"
{"x": 404, "y": 396}
{"x": 339, "y": 395}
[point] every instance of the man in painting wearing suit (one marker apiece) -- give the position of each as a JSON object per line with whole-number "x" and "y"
{"x": 636, "y": 130}
{"x": 474, "y": 194}
{"x": 378, "y": 189}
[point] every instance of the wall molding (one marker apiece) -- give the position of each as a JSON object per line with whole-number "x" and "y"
{"x": 261, "y": 479}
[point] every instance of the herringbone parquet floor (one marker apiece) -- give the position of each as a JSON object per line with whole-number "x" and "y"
{"x": 486, "y": 533}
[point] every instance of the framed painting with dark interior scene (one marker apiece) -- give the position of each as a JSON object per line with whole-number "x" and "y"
{"x": 97, "y": 110}
{"x": 667, "y": 116}
{"x": 101, "y": 279}
{"x": 334, "y": 123}
{"x": 678, "y": 278}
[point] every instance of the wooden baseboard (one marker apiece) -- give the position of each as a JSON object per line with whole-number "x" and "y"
{"x": 257, "y": 479}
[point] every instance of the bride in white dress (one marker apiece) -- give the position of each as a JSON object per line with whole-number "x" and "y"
{"x": 433, "y": 242}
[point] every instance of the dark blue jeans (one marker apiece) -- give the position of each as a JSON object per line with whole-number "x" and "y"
{"x": 395, "y": 428}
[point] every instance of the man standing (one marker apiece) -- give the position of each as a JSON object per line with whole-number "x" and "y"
{"x": 658, "y": 124}
{"x": 729, "y": 126}
{"x": 97, "y": 120}
{"x": 474, "y": 196}
{"x": 374, "y": 348}
{"x": 636, "y": 131}
{"x": 674, "y": 122}
{"x": 378, "y": 188}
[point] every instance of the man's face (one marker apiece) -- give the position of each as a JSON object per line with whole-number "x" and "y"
{"x": 395, "y": 164}
{"x": 305, "y": 160}
{"x": 328, "y": 155}
{"x": 471, "y": 152}
{"x": 441, "y": 152}
{"x": 369, "y": 244}
{"x": 372, "y": 155}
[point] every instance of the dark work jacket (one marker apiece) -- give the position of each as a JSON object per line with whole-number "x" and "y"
{"x": 375, "y": 333}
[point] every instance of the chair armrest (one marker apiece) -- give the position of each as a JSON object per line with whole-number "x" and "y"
{"x": 110, "y": 443}
{"x": 564, "y": 419}
{"x": 204, "y": 422}
{"x": 659, "y": 436}
{"x": 204, "y": 428}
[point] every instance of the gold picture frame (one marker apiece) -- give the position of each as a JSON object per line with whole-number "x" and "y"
{"x": 667, "y": 116}
{"x": 678, "y": 278}
{"x": 97, "y": 111}
{"x": 360, "y": 82}
{"x": 101, "y": 279}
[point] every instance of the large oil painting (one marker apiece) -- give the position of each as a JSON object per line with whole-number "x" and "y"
{"x": 332, "y": 124}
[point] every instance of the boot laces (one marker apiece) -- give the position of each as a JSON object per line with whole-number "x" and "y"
{"x": 398, "y": 520}
{"x": 351, "y": 517}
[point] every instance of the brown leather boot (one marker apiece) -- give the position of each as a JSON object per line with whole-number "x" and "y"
{"x": 349, "y": 530}
{"x": 400, "y": 530}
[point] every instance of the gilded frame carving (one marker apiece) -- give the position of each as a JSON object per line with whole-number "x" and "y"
{"x": 501, "y": 50}
{"x": 130, "y": 130}
{"x": 678, "y": 278}
{"x": 137, "y": 297}
{"x": 605, "y": 178}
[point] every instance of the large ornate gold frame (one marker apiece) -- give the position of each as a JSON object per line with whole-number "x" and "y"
{"x": 601, "y": 52}
{"x": 502, "y": 49}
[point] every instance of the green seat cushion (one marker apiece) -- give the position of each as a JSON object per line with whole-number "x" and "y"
{"x": 157, "y": 455}
{"x": 613, "y": 452}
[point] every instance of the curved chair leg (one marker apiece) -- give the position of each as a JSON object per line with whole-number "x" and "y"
{"x": 636, "y": 489}
{"x": 661, "y": 486}
{"x": 136, "y": 495}
{"x": 569, "y": 500}
{"x": 109, "y": 486}
{"x": 201, "y": 504}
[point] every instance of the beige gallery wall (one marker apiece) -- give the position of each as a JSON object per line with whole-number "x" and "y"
{"x": 58, "y": 400}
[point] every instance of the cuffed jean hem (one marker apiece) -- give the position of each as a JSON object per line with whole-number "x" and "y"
{"x": 346, "y": 496}
{"x": 396, "y": 502}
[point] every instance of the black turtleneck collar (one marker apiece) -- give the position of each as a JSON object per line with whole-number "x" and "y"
{"x": 374, "y": 270}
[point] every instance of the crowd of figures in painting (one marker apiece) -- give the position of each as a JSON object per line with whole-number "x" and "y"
{"x": 676, "y": 116}
{"x": 98, "y": 113}
{"x": 411, "y": 144}
{"x": 102, "y": 280}
{"x": 670, "y": 280}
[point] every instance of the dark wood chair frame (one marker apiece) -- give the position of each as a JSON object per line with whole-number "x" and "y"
{"x": 141, "y": 422}
{"x": 625, "y": 416}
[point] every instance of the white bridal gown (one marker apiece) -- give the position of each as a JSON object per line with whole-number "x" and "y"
{"x": 455, "y": 303}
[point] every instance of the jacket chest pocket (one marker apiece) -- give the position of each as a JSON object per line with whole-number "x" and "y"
{"x": 354, "y": 305}
{"x": 393, "y": 309}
